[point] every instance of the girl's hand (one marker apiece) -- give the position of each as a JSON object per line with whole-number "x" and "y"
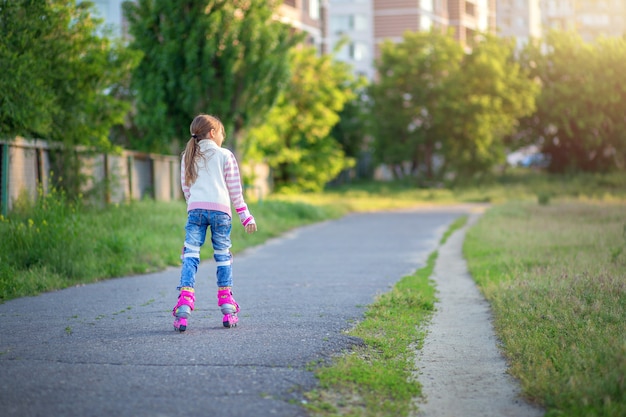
{"x": 250, "y": 227}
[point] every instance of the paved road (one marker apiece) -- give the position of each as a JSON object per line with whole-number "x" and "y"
{"x": 109, "y": 349}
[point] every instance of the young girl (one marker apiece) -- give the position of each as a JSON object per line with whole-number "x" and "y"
{"x": 211, "y": 182}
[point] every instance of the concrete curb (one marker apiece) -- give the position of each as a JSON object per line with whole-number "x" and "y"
{"x": 462, "y": 371}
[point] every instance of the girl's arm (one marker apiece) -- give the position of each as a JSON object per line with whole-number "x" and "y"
{"x": 233, "y": 184}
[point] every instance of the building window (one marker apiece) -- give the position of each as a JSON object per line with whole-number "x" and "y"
{"x": 291, "y": 3}
{"x": 340, "y": 24}
{"x": 345, "y": 23}
{"x": 426, "y": 22}
{"x": 426, "y": 5}
{"x": 314, "y": 9}
{"x": 355, "y": 51}
{"x": 359, "y": 51}
{"x": 470, "y": 8}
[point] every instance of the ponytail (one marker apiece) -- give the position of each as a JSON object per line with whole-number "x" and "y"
{"x": 189, "y": 158}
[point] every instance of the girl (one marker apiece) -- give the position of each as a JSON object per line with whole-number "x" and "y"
{"x": 211, "y": 182}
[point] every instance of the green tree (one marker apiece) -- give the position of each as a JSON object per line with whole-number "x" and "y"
{"x": 223, "y": 57}
{"x": 413, "y": 77}
{"x": 353, "y": 131}
{"x": 481, "y": 107}
{"x": 579, "y": 120}
{"x": 58, "y": 72}
{"x": 295, "y": 139}
{"x": 57, "y": 79}
{"x": 26, "y": 101}
{"x": 435, "y": 100}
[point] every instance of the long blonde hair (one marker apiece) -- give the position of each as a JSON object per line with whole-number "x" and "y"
{"x": 200, "y": 128}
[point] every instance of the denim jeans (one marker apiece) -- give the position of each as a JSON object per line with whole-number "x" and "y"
{"x": 220, "y": 224}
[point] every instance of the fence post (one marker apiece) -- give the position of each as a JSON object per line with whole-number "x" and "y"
{"x": 5, "y": 179}
{"x": 171, "y": 181}
{"x": 107, "y": 180}
{"x": 129, "y": 176}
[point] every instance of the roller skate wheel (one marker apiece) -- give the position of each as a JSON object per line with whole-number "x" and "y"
{"x": 230, "y": 320}
{"x": 180, "y": 324}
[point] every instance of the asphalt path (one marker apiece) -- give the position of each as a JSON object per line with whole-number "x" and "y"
{"x": 109, "y": 349}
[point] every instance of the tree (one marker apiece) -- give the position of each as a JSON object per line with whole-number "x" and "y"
{"x": 481, "y": 106}
{"x": 26, "y": 102}
{"x": 295, "y": 139}
{"x": 413, "y": 78}
{"x": 57, "y": 72}
{"x": 435, "y": 100}
{"x": 580, "y": 120}
{"x": 353, "y": 131}
{"x": 223, "y": 57}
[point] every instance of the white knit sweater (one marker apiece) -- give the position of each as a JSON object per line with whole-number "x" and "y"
{"x": 218, "y": 183}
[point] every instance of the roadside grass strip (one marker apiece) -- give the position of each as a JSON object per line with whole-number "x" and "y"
{"x": 53, "y": 243}
{"x": 555, "y": 276}
{"x": 376, "y": 378}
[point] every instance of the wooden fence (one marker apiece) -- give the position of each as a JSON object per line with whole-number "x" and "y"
{"x": 25, "y": 165}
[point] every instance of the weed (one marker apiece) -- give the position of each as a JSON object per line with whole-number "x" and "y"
{"x": 456, "y": 225}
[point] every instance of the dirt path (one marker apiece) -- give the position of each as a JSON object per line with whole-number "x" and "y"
{"x": 460, "y": 367}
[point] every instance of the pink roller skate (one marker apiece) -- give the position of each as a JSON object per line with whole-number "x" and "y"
{"x": 184, "y": 307}
{"x": 228, "y": 305}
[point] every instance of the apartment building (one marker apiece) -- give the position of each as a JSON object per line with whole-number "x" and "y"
{"x": 469, "y": 17}
{"x": 367, "y": 23}
{"x": 590, "y": 18}
{"x": 308, "y": 16}
{"x": 392, "y": 18}
{"x": 351, "y": 22}
{"x": 519, "y": 19}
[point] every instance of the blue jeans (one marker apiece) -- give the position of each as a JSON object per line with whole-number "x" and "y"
{"x": 195, "y": 234}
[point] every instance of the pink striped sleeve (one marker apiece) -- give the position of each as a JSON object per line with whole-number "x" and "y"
{"x": 233, "y": 181}
{"x": 233, "y": 184}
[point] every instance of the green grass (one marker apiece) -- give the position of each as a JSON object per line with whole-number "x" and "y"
{"x": 556, "y": 279}
{"x": 516, "y": 185}
{"x": 376, "y": 379}
{"x": 55, "y": 243}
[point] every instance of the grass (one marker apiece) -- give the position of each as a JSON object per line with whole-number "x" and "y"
{"x": 516, "y": 185}
{"x": 555, "y": 277}
{"x": 550, "y": 256}
{"x": 54, "y": 243}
